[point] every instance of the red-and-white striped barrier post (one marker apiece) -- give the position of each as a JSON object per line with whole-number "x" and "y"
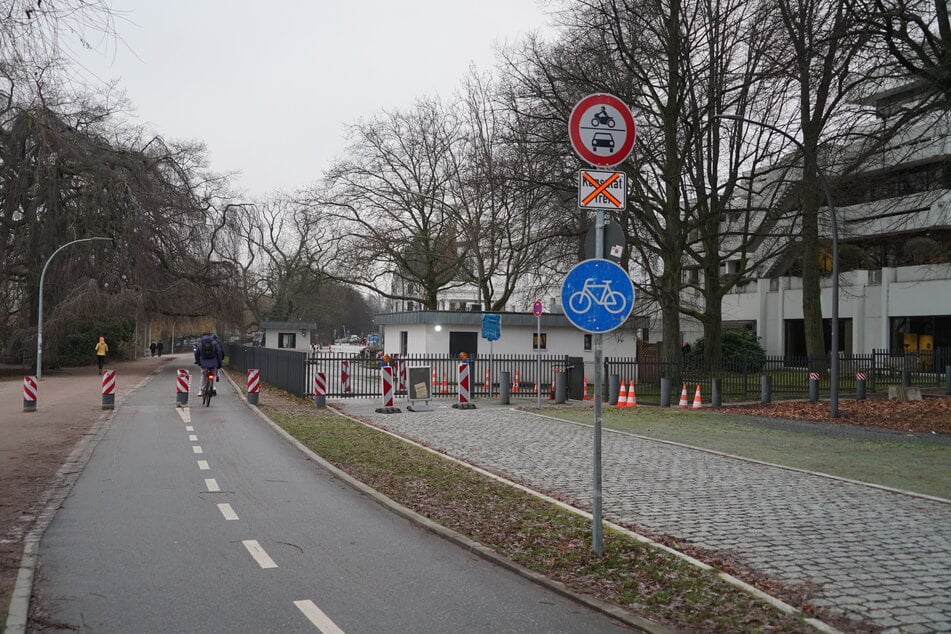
{"x": 254, "y": 385}
{"x": 465, "y": 392}
{"x": 860, "y": 378}
{"x": 813, "y": 387}
{"x": 108, "y": 389}
{"x": 320, "y": 389}
{"x": 182, "y": 383}
{"x": 29, "y": 394}
{"x": 386, "y": 385}
{"x": 345, "y": 378}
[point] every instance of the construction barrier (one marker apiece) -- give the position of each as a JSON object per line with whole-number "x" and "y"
{"x": 464, "y": 391}
{"x": 29, "y": 394}
{"x": 108, "y": 389}
{"x": 182, "y": 382}
{"x": 386, "y": 380}
{"x": 254, "y": 385}
{"x": 320, "y": 389}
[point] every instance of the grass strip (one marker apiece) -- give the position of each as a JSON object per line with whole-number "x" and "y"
{"x": 528, "y": 530}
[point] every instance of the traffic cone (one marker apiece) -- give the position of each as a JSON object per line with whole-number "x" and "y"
{"x": 487, "y": 383}
{"x": 631, "y": 396}
{"x": 683, "y": 398}
{"x": 622, "y": 396}
{"x": 445, "y": 384}
{"x": 586, "y": 396}
{"x": 515, "y": 384}
{"x": 551, "y": 388}
{"x": 696, "y": 398}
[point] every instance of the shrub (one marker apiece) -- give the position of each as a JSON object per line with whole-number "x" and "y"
{"x": 737, "y": 346}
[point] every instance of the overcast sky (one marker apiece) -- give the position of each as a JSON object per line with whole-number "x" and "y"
{"x": 270, "y": 87}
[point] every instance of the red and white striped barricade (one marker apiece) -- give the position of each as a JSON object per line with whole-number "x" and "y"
{"x": 182, "y": 383}
{"x": 108, "y": 389}
{"x": 401, "y": 372}
{"x": 254, "y": 385}
{"x": 320, "y": 389}
{"x": 488, "y": 382}
{"x": 464, "y": 386}
{"x": 386, "y": 385}
{"x": 345, "y": 378}
{"x": 29, "y": 394}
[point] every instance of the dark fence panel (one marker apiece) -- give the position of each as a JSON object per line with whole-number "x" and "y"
{"x": 284, "y": 369}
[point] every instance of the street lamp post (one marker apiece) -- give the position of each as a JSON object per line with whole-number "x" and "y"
{"x": 823, "y": 181}
{"x": 39, "y": 321}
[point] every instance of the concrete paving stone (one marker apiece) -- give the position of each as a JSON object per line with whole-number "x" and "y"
{"x": 917, "y": 628}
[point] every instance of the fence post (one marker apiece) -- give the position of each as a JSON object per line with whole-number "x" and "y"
{"x": 505, "y": 387}
{"x": 947, "y": 379}
{"x": 561, "y": 387}
{"x": 716, "y": 397}
{"x": 906, "y": 378}
{"x": 872, "y": 372}
{"x": 664, "y": 391}
{"x": 766, "y": 388}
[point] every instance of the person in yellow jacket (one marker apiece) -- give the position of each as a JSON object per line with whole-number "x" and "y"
{"x": 101, "y": 350}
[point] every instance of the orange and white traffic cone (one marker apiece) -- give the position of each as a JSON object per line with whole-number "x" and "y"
{"x": 631, "y": 396}
{"x": 445, "y": 384}
{"x": 683, "y": 398}
{"x": 622, "y": 396}
{"x": 586, "y": 396}
{"x": 515, "y": 384}
{"x": 696, "y": 398}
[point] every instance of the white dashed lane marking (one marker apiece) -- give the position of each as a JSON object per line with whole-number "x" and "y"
{"x": 212, "y": 485}
{"x": 189, "y": 428}
{"x": 193, "y": 438}
{"x": 203, "y": 465}
{"x": 197, "y": 449}
{"x": 227, "y": 511}
{"x": 258, "y": 554}
{"x": 316, "y": 616}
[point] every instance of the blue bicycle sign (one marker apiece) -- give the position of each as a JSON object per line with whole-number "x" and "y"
{"x": 597, "y": 295}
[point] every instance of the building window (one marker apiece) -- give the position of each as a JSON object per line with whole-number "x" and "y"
{"x": 544, "y": 345}
{"x": 773, "y": 284}
{"x": 587, "y": 342}
{"x": 875, "y": 277}
{"x": 286, "y": 340}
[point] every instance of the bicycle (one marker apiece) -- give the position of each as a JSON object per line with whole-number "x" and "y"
{"x": 582, "y": 300}
{"x": 209, "y": 388}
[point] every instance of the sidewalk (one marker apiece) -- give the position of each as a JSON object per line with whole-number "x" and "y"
{"x": 872, "y": 554}
{"x": 33, "y": 445}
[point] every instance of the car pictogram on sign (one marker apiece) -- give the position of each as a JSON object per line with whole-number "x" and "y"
{"x": 602, "y": 139}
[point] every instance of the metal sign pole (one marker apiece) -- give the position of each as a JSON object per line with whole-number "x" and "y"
{"x": 596, "y": 537}
{"x": 538, "y": 361}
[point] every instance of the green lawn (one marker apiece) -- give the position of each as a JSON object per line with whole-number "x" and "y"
{"x": 903, "y": 464}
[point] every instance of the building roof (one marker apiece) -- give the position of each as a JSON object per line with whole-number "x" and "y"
{"x": 474, "y": 319}
{"x": 290, "y": 325}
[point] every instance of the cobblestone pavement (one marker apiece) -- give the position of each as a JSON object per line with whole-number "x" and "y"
{"x": 874, "y": 555}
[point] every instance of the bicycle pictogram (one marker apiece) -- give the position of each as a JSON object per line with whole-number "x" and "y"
{"x": 595, "y": 293}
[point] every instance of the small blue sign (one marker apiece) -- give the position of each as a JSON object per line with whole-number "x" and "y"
{"x": 491, "y": 327}
{"x": 597, "y": 295}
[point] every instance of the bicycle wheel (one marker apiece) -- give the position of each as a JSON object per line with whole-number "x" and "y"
{"x": 615, "y": 302}
{"x": 579, "y": 302}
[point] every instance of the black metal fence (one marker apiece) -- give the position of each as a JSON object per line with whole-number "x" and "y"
{"x": 349, "y": 375}
{"x": 789, "y": 376}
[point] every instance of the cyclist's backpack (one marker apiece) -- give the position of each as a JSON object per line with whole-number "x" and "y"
{"x": 207, "y": 350}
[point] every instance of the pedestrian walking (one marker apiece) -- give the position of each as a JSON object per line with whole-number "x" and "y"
{"x": 159, "y": 346}
{"x": 101, "y": 349}
{"x": 152, "y": 348}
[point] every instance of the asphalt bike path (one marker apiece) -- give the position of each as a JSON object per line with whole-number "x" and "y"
{"x": 205, "y": 520}
{"x": 877, "y": 555}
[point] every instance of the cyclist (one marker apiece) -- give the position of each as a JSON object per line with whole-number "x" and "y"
{"x": 208, "y": 356}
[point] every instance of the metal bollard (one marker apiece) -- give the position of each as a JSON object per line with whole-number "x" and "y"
{"x": 561, "y": 387}
{"x": 947, "y": 379}
{"x": 716, "y": 397}
{"x": 320, "y": 390}
{"x": 813, "y": 387}
{"x": 614, "y": 388}
{"x": 254, "y": 385}
{"x": 859, "y": 386}
{"x": 182, "y": 381}
{"x": 664, "y": 392}
{"x": 766, "y": 389}
{"x": 906, "y": 378}
{"x": 505, "y": 387}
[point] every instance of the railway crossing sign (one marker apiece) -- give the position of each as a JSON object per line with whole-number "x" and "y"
{"x": 601, "y": 128}
{"x": 602, "y": 190}
{"x": 597, "y": 296}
